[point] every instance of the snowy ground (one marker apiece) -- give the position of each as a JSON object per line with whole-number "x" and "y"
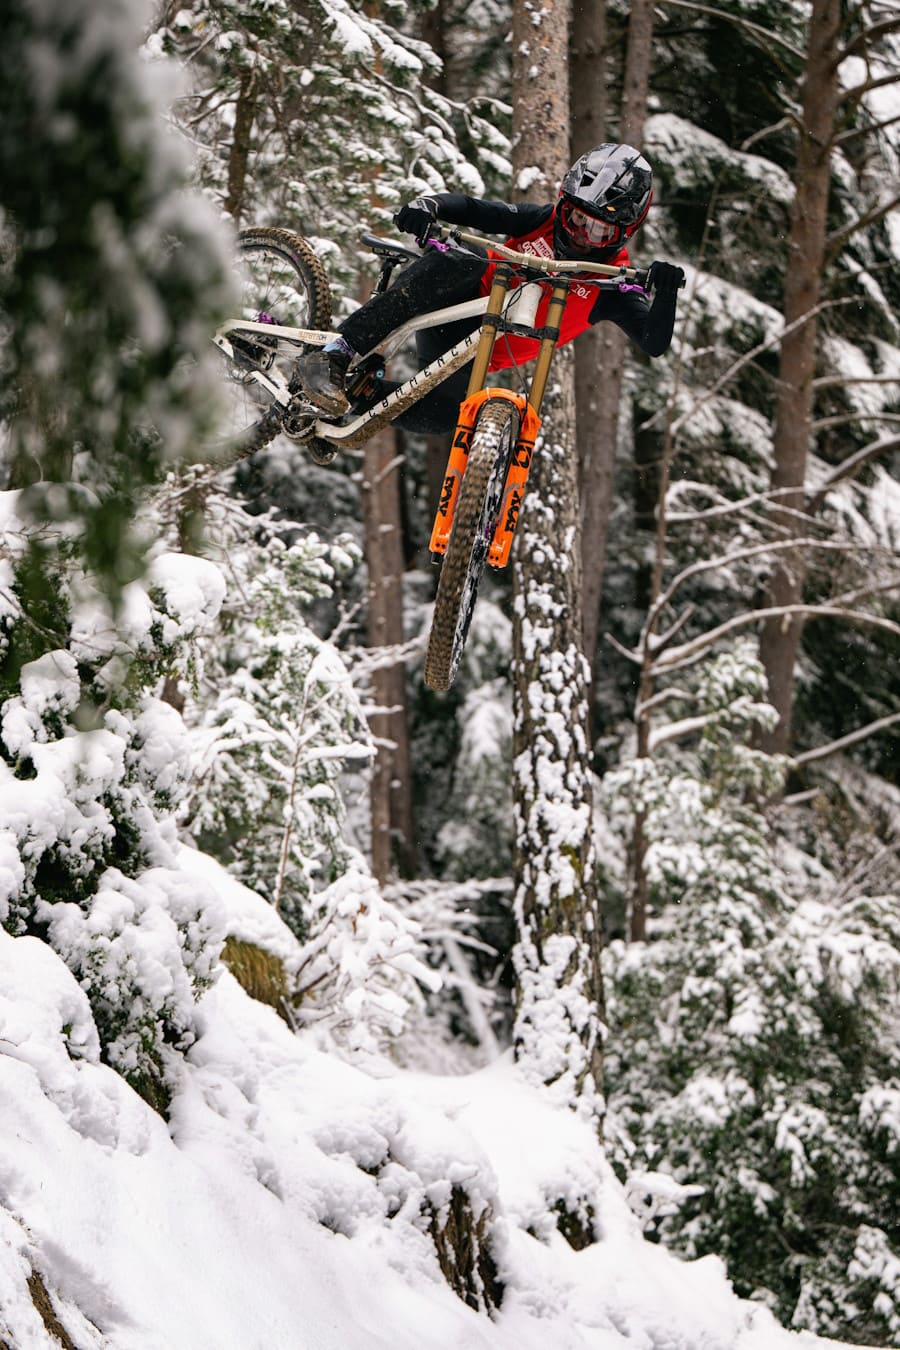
{"x": 259, "y": 1216}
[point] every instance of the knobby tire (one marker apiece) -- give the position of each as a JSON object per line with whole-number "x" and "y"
{"x": 479, "y": 503}
{"x": 311, "y": 309}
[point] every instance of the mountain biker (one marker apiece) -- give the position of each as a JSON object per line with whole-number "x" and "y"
{"x": 604, "y": 198}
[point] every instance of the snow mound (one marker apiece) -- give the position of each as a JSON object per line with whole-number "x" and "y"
{"x": 287, "y": 1202}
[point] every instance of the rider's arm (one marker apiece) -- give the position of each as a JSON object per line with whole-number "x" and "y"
{"x": 506, "y": 218}
{"x": 649, "y": 326}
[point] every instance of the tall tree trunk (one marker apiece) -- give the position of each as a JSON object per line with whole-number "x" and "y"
{"x": 433, "y": 28}
{"x": 588, "y": 67}
{"x": 390, "y": 791}
{"x": 780, "y": 638}
{"x": 239, "y": 153}
{"x": 599, "y": 409}
{"x": 557, "y": 953}
{"x": 589, "y": 113}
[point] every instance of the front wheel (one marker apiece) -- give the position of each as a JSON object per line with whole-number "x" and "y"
{"x": 474, "y": 521}
{"x": 282, "y": 282}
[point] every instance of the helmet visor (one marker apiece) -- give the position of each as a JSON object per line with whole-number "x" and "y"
{"x": 585, "y": 229}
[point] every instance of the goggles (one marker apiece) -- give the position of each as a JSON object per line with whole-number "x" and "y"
{"x": 586, "y": 229}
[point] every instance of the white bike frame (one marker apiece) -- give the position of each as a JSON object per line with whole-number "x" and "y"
{"x": 519, "y": 309}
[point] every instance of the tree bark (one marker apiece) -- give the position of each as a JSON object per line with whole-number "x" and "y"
{"x": 239, "y": 153}
{"x": 433, "y": 27}
{"x": 540, "y": 97}
{"x": 588, "y": 66}
{"x": 780, "y": 639}
{"x": 557, "y": 953}
{"x": 390, "y": 791}
{"x": 589, "y": 114}
{"x": 602, "y": 363}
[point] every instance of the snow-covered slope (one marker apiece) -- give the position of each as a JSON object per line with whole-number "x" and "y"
{"x": 283, "y": 1203}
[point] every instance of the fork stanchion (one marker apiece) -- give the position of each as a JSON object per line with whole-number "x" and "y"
{"x": 485, "y": 348}
{"x": 549, "y": 339}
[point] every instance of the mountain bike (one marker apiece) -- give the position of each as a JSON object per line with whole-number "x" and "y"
{"x": 287, "y": 311}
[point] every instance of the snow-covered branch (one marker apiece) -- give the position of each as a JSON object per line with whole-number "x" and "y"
{"x": 739, "y": 555}
{"x": 728, "y": 507}
{"x": 833, "y": 747}
{"x": 756, "y": 30}
{"x": 744, "y": 360}
{"x": 867, "y": 36}
{"x": 676, "y": 731}
{"x": 849, "y": 466}
{"x": 679, "y": 657}
{"x": 835, "y": 241}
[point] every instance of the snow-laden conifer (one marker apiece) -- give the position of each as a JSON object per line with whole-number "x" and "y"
{"x": 750, "y": 1053}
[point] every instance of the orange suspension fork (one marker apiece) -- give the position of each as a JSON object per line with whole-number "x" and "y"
{"x": 529, "y": 423}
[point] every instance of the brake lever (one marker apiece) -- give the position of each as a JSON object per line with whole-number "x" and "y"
{"x": 425, "y": 238}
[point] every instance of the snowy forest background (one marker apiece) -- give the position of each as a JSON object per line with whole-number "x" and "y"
{"x": 649, "y": 841}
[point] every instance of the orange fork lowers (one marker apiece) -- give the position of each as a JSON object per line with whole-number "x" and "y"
{"x": 516, "y": 477}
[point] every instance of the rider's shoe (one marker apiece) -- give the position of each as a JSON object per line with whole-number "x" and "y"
{"x": 322, "y": 378}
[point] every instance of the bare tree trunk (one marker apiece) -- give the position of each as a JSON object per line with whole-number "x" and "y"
{"x": 557, "y": 953}
{"x": 588, "y": 73}
{"x": 588, "y": 118}
{"x": 780, "y": 638}
{"x": 390, "y": 792}
{"x": 239, "y": 154}
{"x": 600, "y": 408}
{"x": 433, "y": 28}
{"x": 540, "y": 96}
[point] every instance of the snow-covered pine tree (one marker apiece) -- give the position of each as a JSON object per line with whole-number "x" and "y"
{"x": 725, "y": 189}
{"x": 750, "y": 1052}
{"x": 271, "y": 710}
{"x": 112, "y": 278}
{"x": 320, "y": 115}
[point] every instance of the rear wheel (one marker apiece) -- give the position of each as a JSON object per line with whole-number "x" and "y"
{"x": 282, "y": 282}
{"x": 474, "y": 521}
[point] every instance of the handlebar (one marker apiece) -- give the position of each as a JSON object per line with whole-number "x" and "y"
{"x": 535, "y": 263}
{"x": 445, "y": 236}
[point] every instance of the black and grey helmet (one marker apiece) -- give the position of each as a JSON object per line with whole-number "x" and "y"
{"x": 604, "y": 198}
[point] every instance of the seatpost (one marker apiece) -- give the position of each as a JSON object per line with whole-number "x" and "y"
{"x": 550, "y": 338}
{"x": 485, "y": 348}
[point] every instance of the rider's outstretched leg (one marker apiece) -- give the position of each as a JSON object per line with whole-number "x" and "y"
{"x": 432, "y": 282}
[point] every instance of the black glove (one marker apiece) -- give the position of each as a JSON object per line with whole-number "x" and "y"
{"x": 665, "y": 279}
{"x": 417, "y": 218}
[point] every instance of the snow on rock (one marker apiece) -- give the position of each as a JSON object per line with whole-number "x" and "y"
{"x": 248, "y": 917}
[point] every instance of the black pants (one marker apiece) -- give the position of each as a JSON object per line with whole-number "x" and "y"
{"x": 432, "y": 282}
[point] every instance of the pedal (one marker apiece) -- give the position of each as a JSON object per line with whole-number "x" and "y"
{"x": 298, "y": 422}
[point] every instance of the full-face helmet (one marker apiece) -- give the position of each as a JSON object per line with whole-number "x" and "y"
{"x": 604, "y": 198}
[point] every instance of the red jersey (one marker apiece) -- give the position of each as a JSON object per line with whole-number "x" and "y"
{"x": 511, "y": 349}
